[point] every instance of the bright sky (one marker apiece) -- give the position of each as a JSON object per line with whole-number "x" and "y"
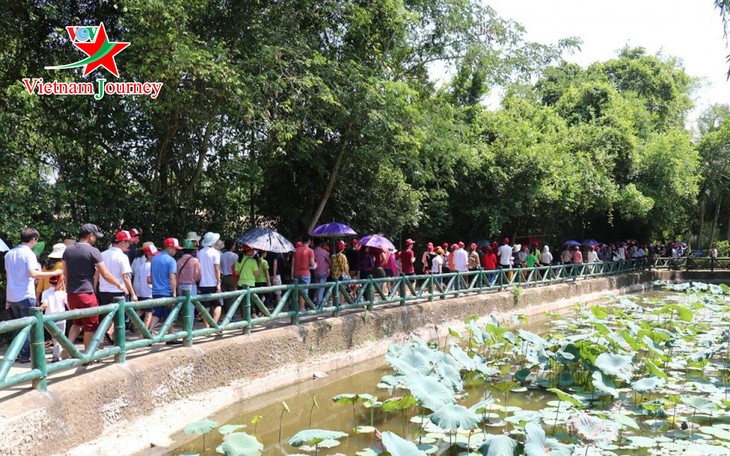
{"x": 690, "y": 30}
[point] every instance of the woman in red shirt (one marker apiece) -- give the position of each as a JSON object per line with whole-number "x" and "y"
{"x": 490, "y": 262}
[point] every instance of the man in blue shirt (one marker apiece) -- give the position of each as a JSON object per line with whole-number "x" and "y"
{"x": 163, "y": 278}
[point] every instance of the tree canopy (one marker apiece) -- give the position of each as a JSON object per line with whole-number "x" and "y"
{"x": 296, "y": 112}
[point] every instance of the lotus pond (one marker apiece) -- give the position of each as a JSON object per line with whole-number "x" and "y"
{"x": 643, "y": 374}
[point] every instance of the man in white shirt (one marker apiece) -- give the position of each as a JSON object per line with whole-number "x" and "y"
{"x": 21, "y": 270}
{"x": 210, "y": 273}
{"x": 505, "y": 254}
{"x": 461, "y": 258}
{"x": 117, "y": 263}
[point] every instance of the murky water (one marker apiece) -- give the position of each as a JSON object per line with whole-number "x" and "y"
{"x": 326, "y": 414}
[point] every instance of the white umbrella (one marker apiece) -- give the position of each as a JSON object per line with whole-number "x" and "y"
{"x": 265, "y": 239}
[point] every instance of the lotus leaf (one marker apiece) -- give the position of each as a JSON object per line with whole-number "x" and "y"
{"x": 592, "y": 429}
{"x": 314, "y": 436}
{"x": 397, "y": 446}
{"x": 621, "y": 366}
{"x": 482, "y": 406}
{"x": 537, "y": 444}
{"x": 369, "y": 452}
{"x": 624, "y": 421}
{"x": 532, "y": 338}
{"x": 240, "y": 444}
{"x": 399, "y": 403}
{"x": 642, "y": 442}
{"x": 364, "y": 429}
{"x": 229, "y": 428}
{"x": 647, "y": 384}
{"x": 654, "y": 369}
{"x": 430, "y": 393}
{"x": 500, "y": 445}
{"x": 346, "y": 398}
{"x": 454, "y": 416}
{"x": 568, "y": 398}
{"x": 699, "y": 403}
{"x": 200, "y": 427}
{"x": 328, "y": 443}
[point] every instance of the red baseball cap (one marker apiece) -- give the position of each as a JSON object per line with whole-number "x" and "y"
{"x": 353, "y": 242}
{"x": 473, "y": 245}
{"x": 461, "y": 243}
{"x": 135, "y": 232}
{"x": 173, "y": 242}
{"x": 445, "y": 245}
{"x": 505, "y": 241}
{"x": 454, "y": 246}
{"x": 298, "y": 244}
{"x": 409, "y": 242}
{"x": 150, "y": 250}
{"x": 340, "y": 244}
{"x": 246, "y": 248}
{"x": 122, "y": 236}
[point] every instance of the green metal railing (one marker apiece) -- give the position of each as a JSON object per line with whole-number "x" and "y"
{"x": 692, "y": 263}
{"x": 339, "y": 296}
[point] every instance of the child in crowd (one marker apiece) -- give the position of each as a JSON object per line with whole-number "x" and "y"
{"x": 53, "y": 301}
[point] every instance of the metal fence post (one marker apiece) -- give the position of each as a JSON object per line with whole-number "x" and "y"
{"x": 402, "y": 289}
{"x": 294, "y": 303}
{"x": 120, "y": 336}
{"x": 370, "y": 293}
{"x": 247, "y": 309}
{"x": 188, "y": 317}
{"x": 38, "y": 349}
{"x": 336, "y": 297}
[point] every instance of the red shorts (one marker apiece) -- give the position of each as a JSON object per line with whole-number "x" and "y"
{"x": 84, "y": 301}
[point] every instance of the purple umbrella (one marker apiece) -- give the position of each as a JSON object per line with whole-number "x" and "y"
{"x": 375, "y": 241}
{"x": 590, "y": 243}
{"x": 571, "y": 243}
{"x": 333, "y": 229}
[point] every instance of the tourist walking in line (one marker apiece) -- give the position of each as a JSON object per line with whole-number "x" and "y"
{"x": 566, "y": 256}
{"x": 445, "y": 268}
{"x": 163, "y": 278}
{"x": 474, "y": 261}
{"x": 461, "y": 263}
{"x": 302, "y": 265}
{"x": 426, "y": 258}
{"x": 490, "y": 263}
{"x": 132, "y": 251}
{"x": 276, "y": 263}
{"x": 21, "y": 270}
{"x": 54, "y": 301}
{"x": 188, "y": 270}
{"x": 546, "y": 258}
{"x": 228, "y": 263}
{"x": 577, "y": 258}
{"x": 339, "y": 265}
{"x": 82, "y": 262}
{"x": 322, "y": 258}
{"x": 408, "y": 258}
{"x": 117, "y": 262}
{"x": 505, "y": 254}
{"x": 352, "y": 255}
{"x": 140, "y": 283}
{"x": 437, "y": 267}
{"x": 263, "y": 279}
{"x": 210, "y": 274}
{"x": 194, "y": 237}
{"x": 54, "y": 262}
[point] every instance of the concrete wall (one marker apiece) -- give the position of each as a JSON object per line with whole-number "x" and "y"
{"x": 129, "y": 407}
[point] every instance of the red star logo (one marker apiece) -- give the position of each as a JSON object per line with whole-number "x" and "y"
{"x": 101, "y": 49}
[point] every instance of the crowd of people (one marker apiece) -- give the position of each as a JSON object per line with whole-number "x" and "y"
{"x": 76, "y": 275}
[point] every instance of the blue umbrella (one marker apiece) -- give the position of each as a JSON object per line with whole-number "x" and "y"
{"x": 590, "y": 243}
{"x": 265, "y": 239}
{"x": 571, "y": 243}
{"x": 333, "y": 229}
{"x": 378, "y": 242}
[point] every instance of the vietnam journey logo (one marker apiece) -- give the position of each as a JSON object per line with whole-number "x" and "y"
{"x": 100, "y": 53}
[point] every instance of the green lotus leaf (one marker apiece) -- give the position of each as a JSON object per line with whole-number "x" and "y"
{"x": 314, "y": 436}
{"x": 655, "y": 370}
{"x": 624, "y": 421}
{"x": 482, "y": 406}
{"x": 328, "y": 443}
{"x": 346, "y": 398}
{"x": 537, "y": 444}
{"x": 430, "y": 393}
{"x": 621, "y": 366}
{"x": 200, "y": 427}
{"x": 604, "y": 385}
{"x": 699, "y": 403}
{"x": 647, "y": 384}
{"x": 642, "y": 442}
{"x": 454, "y": 416}
{"x": 500, "y": 445}
{"x": 716, "y": 431}
{"x": 397, "y": 446}
{"x": 229, "y": 428}
{"x": 240, "y": 444}
{"x": 532, "y": 338}
{"x": 563, "y": 396}
{"x": 399, "y": 403}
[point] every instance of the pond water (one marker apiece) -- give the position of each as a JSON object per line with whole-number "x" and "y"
{"x": 645, "y": 374}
